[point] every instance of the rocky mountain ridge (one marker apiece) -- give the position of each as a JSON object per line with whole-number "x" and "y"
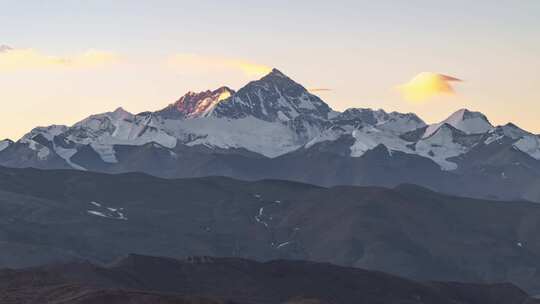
{"x": 274, "y": 119}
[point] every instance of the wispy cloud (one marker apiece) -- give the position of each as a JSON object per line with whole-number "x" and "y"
{"x": 12, "y": 59}
{"x": 425, "y": 86}
{"x": 214, "y": 63}
{"x": 5, "y": 48}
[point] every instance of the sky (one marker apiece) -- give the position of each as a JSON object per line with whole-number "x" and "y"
{"x": 67, "y": 59}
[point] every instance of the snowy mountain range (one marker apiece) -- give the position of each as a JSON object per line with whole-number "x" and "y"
{"x": 257, "y": 131}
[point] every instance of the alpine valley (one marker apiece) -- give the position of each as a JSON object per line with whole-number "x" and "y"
{"x": 273, "y": 128}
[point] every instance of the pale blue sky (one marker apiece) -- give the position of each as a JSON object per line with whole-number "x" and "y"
{"x": 360, "y": 49}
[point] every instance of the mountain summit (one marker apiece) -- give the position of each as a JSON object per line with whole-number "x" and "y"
{"x": 274, "y": 97}
{"x": 193, "y": 105}
{"x": 464, "y": 120}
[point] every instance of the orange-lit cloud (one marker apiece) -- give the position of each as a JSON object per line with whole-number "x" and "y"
{"x": 93, "y": 58}
{"x": 426, "y": 86}
{"x": 23, "y": 59}
{"x": 186, "y": 61}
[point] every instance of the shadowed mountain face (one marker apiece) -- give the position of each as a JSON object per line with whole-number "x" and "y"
{"x": 143, "y": 279}
{"x": 50, "y": 216}
{"x": 274, "y": 128}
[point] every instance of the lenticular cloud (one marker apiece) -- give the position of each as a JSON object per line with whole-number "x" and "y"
{"x": 426, "y": 86}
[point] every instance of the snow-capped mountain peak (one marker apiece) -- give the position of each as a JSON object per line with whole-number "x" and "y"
{"x": 464, "y": 115}
{"x": 522, "y": 140}
{"x": 193, "y": 105}
{"x": 394, "y": 122}
{"x": 509, "y": 130}
{"x": 276, "y": 73}
{"x": 121, "y": 113}
{"x": 274, "y": 97}
{"x": 47, "y": 132}
{"x": 464, "y": 120}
